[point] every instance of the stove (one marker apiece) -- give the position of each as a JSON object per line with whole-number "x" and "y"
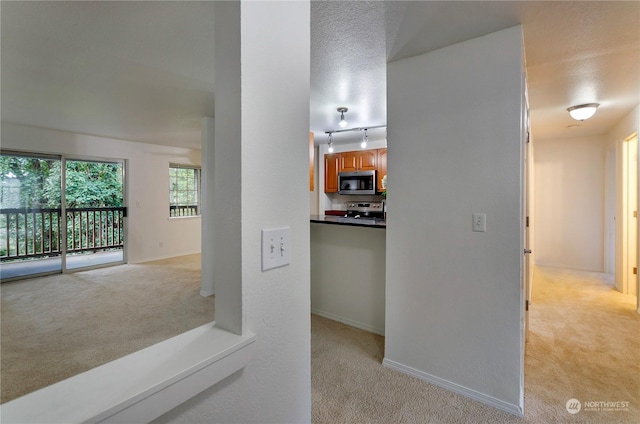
{"x": 365, "y": 210}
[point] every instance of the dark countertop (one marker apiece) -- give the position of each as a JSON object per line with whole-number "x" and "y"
{"x": 355, "y": 222}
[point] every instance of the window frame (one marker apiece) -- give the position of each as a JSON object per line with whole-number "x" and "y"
{"x": 198, "y": 192}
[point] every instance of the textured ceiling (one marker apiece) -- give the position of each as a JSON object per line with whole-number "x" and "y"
{"x": 348, "y": 64}
{"x": 582, "y": 52}
{"x": 576, "y": 52}
{"x": 143, "y": 71}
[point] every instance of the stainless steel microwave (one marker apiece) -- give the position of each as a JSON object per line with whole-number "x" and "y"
{"x": 358, "y": 182}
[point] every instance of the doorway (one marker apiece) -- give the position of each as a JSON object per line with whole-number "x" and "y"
{"x": 626, "y": 270}
{"x": 59, "y": 214}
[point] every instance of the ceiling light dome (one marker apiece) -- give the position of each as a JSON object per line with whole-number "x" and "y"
{"x": 583, "y": 112}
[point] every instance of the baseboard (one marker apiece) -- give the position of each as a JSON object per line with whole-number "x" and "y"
{"x": 206, "y": 293}
{"x": 163, "y": 257}
{"x": 352, "y": 323}
{"x": 464, "y": 391}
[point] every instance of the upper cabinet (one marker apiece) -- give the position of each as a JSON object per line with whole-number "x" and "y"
{"x": 382, "y": 168}
{"x": 368, "y": 160}
{"x": 359, "y": 160}
{"x": 331, "y": 166}
{"x": 311, "y": 160}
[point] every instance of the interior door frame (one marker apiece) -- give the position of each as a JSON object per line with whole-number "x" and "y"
{"x": 528, "y": 210}
{"x": 624, "y": 281}
{"x": 526, "y": 205}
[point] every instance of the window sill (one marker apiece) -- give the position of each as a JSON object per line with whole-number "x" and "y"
{"x": 171, "y": 218}
{"x": 141, "y": 386}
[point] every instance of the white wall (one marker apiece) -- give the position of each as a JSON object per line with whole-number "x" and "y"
{"x": 569, "y": 202}
{"x": 627, "y": 126}
{"x": 610, "y": 209}
{"x": 148, "y": 224}
{"x": 276, "y": 386}
{"x": 454, "y": 309}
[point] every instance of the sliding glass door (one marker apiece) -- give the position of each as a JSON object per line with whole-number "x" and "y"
{"x": 94, "y": 200}
{"x": 30, "y": 215}
{"x": 45, "y": 229}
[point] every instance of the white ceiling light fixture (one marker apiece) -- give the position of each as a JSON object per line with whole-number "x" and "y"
{"x": 583, "y": 112}
{"x": 364, "y": 139}
{"x": 330, "y": 143}
{"x": 343, "y": 122}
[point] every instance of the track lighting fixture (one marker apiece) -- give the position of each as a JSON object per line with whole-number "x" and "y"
{"x": 365, "y": 139}
{"x": 365, "y": 136}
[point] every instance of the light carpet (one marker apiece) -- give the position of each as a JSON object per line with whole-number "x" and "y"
{"x": 57, "y": 326}
{"x": 583, "y": 343}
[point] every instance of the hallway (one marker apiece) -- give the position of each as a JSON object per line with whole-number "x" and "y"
{"x": 584, "y": 345}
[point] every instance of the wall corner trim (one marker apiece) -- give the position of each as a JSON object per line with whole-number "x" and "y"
{"x": 464, "y": 391}
{"x": 141, "y": 386}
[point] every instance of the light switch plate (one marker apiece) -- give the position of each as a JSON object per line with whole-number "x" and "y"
{"x": 480, "y": 222}
{"x": 276, "y": 248}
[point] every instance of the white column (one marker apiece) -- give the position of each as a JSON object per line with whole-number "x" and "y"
{"x": 206, "y": 206}
{"x": 260, "y": 182}
{"x": 226, "y": 217}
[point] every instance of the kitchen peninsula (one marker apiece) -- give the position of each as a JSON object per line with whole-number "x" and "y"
{"x": 345, "y": 220}
{"x": 348, "y": 271}
{"x": 348, "y": 240}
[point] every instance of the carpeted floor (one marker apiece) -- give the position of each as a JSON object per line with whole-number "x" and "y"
{"x": 57, "y": 326}
{"x": 583, "y": 343}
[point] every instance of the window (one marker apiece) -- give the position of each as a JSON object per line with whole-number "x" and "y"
{"x": 184, "y": 190}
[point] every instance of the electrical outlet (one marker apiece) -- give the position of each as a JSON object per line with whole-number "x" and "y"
{"x": 480, "y": 222}
{"x": 276, "y": 248}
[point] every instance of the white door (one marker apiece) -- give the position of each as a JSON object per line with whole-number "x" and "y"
{"x": 528, "y": 269}
{"x": 527, "y": 201}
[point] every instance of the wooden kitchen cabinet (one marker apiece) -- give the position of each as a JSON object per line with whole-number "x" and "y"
{"x": 348, "y": 162}
{"x": 311, "y": 160}
{"x": 359, "y": 160}
{"x": 382, "y": 168}
{"x": 368, "y": 160}
{"x": 331, "y": 166}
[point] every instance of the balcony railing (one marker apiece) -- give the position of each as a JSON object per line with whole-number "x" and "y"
{"x": 183, "y": 210}
{"x": 32, "y": 233}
